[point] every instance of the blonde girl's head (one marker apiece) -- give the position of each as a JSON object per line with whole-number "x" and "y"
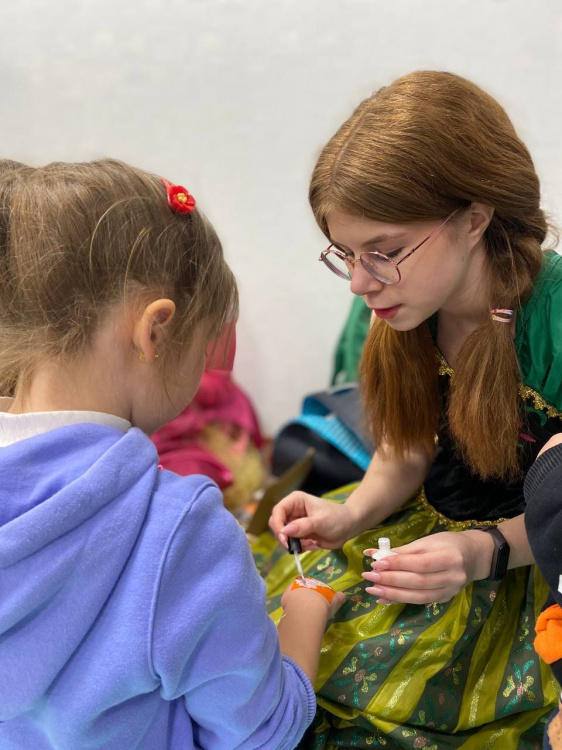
{"x": 93, "y": 256}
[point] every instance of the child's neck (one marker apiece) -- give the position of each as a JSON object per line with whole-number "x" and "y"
{"x": 74, "y": 387}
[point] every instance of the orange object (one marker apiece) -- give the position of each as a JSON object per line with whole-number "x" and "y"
{"x": 311, "y": 583}
{"x": 548, "y": 643}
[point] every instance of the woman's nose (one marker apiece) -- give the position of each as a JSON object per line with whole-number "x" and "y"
{"x": 362, "y": 282}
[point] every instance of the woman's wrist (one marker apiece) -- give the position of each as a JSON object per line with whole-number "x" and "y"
{"x": 359, "y": 516}
{"x": 482, "y": 553}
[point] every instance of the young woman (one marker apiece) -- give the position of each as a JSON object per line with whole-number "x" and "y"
{"x": 431, "y": 207}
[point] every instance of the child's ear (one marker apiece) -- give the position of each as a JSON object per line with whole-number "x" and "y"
{"x": 149, "y": 332}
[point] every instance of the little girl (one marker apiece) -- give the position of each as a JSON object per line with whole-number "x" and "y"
{"x": 131, "y": 613}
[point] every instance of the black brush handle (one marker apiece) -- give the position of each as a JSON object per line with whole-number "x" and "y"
{"x": 294, "y": 545}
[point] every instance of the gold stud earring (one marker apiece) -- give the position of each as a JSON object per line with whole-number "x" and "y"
{"x": 142, "y": 357}
{"x": 156, "y": 356}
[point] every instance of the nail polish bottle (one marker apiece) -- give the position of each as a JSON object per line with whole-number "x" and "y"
{"x": 384, "y": 549}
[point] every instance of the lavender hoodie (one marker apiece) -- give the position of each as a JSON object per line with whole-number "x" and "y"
{"x": 131, "y": 613}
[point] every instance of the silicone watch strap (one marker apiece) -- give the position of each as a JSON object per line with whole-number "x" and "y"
{"x": 500, "y": 559}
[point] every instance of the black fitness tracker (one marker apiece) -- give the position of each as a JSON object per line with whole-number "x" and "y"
{"x": 500, "y": 559}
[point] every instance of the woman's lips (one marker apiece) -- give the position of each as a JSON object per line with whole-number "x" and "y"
{"x": 386, "y": 312}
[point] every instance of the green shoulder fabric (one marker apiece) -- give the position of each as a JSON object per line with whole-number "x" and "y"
{"x": 350, "y": 344}
{"x": 538, "y": 339}
{"x": 539, "y": 333}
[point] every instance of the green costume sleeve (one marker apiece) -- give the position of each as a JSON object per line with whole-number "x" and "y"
{"x": 350, "y": 344}
{"x": 539, "y": 333}
{"x": 538, "y": 339}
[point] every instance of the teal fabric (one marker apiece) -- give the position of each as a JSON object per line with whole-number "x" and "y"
{"x": 350, "y": 344}
{"x": 538, "y": 338}
{"x": 335, "y": 432}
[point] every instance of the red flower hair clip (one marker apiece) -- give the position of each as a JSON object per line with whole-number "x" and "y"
{"x": 180, "y": 200}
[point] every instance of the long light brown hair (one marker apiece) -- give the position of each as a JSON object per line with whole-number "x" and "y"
{"x": 76, "y": 239}
{"x": 417, "y": 150}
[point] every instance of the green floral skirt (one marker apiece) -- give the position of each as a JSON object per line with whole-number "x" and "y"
{"x": 462, "y": 674}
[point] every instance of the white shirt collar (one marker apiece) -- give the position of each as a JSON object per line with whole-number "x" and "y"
{"x": 14, "y": 427}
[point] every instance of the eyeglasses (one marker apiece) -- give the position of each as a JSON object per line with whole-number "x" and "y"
{"x": 377, "y": 264}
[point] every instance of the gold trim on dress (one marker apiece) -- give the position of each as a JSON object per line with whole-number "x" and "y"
{"x": 443, "y": 519}
{"x": 526, "y": 392}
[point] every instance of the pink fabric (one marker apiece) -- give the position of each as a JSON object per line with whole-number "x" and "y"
{"x": 218, "y": 401}
{"x": 221, "y": 353}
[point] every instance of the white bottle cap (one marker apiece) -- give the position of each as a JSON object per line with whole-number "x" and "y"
{"x": 384, "y": 544}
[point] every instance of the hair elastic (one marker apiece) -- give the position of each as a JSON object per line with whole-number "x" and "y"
{"x": 502, "y": 316}
{"x": 181, "y": 201}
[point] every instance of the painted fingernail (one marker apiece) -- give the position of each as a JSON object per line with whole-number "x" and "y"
{"x": 375, "y": 590}
{"x": 368, "y": 575}
{"x": 290, "y": 528}
{"x": 380, "y": 564}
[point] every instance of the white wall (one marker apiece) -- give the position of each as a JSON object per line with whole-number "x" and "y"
{"x": 235, "y": 98}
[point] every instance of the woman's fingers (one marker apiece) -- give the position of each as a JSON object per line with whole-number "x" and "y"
{"x": 429, "y": 569}
{"x": 304, "y": 527}
{"x": 407, "y": 580}
{"x": 433, "y": 561}
{"x": 309, "y": 544}
{"x": 390, "y": 594}
{"x": 289, "y": 508}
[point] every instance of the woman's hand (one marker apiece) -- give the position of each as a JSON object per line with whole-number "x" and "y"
{"x": 431, "y": 569}
{"x": 317, "y": 523}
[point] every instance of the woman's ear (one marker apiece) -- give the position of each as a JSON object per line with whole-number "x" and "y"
{"x": 149, "y": 332}
{"x": 480, "y": 217}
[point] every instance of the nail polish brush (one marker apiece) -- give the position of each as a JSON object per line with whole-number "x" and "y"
{"x": 295, "y": 548}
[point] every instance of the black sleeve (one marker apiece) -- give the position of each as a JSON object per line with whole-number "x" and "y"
{"x": 543, "y": 515}
{"x": 543, "y": 521}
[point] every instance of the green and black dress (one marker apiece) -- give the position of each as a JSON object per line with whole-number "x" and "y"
{"x": 462, "y": 674}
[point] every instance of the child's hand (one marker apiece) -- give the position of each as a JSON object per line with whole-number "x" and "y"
{"x": 316, "y": 522}
{"x": 310, "y": 597}
{"x": 432, "y": 569}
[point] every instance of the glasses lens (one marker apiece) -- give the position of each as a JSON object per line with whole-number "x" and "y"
{"x": 381, "y": 268}
{"x": 337, "y": 265}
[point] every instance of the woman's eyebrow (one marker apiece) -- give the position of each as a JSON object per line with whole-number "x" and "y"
{"x": 382, "y": 238}
{"x": 372, "y": 241}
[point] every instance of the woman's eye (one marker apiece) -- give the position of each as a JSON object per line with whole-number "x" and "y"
{"x": 394, "y": 253}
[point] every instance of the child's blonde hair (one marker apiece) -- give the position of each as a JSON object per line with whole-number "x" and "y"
{"x": 77, "y": 239}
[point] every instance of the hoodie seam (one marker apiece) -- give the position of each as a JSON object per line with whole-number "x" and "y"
{"x": 156, "y": 594}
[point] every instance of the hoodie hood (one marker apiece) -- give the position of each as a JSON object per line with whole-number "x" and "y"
{"x": 72, "y": 501}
